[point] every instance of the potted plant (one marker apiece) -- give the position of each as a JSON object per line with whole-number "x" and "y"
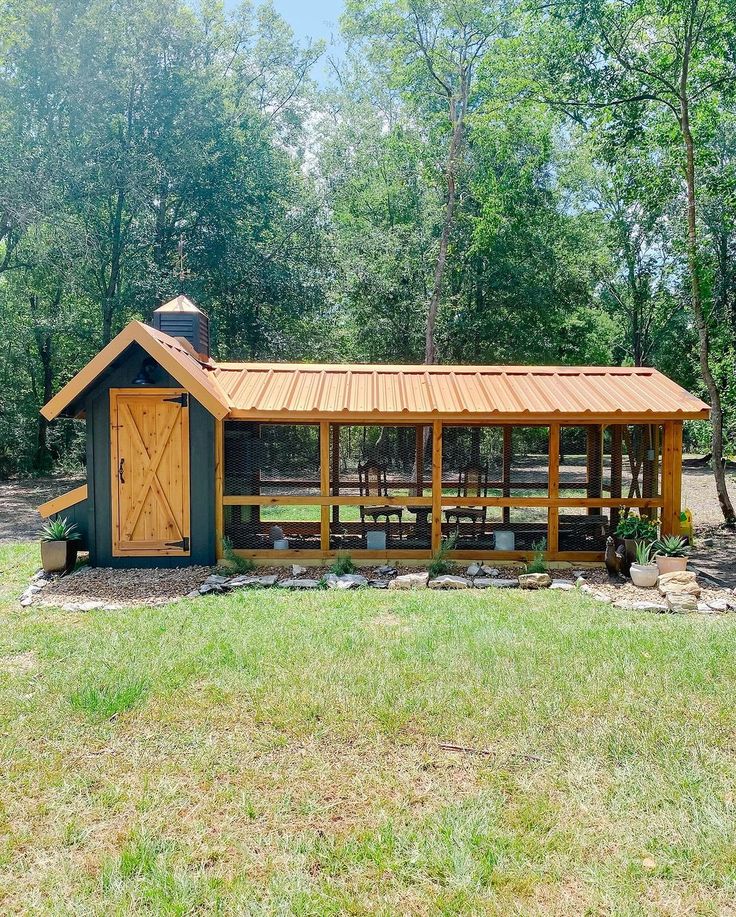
{"x": 632, "y": 528}
{"x": 670, "y": 553}
{"x": 642, "y": 571}
{"x": 59, "y": 545}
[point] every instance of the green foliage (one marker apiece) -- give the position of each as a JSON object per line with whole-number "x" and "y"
{"x": 114, "y": 694}
{"x": 343, "y": 564}
{"x": 538, "y": 563}
{"x": 632, "y": 525}
{"x": 671, "y": 546}
{"x": 644, "y": 553}
{"x": 440, "y": 565}
{"x": 58, "y": 530}
{"x": 235, "y": 561}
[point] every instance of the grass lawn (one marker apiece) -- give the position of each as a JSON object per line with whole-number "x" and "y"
{"x": 277, "y": 753}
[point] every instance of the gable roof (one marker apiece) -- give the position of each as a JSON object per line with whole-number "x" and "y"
{"x": 461, "y": 393}
{"x": 196, "y": 377}
{"x": 409, "y": 394}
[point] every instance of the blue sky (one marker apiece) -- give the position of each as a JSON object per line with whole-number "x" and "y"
{"x": 313, "y": 18}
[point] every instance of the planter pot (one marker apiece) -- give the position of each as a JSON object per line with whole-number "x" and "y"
{"x": 670, "y": 564}
{"x": 644, "y": 576}
{"x": 59, "y": 556}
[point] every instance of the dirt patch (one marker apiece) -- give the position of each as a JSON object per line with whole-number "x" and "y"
{"x": 19, "y": 499}
{"x": 19, "y": 664}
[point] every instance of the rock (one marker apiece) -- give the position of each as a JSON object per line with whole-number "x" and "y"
{"x": 346, "y": 581}
{"x": 534, "y": 580}
{"x": 601, "y": 597}
{"x": 707, "y": 542}
{"x": 580, "y": 581}
{"x": 205, "y": 588}
{"x": 681, "y": 602}
{"x": 299, "y": 584}
{"x": 578, "y": 574}
{"x": 640, "y": 605}
{"x": 563, "y": 584}
{"x": 681, "y": 581}
{"x": 298, "y": 570}
{"x": 719, "y": 605}
{"x": 378, "y": 584}
{"x": 704, "y": 608}
{"x": 243, "y": 582}
{"x": 26, "y": 599}
{"x": 489, "y": 571}
{"x": 194, "y": 594}
{"x": 474, "y": 570}
{"x": 488, "y": 582}
{"x": 410, "y": 581}
{"x": 216, "y": 580}
{"x": 449, "y": 582}
{"x": 385, "y": 570}
{"x": 89, "y": 606}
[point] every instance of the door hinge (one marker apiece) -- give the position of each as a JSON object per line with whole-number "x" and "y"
{"x": 182, "y": 545}
{"x": 182, "y": 399}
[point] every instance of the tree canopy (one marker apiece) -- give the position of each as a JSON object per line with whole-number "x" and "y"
{"x": 474, "y": 182}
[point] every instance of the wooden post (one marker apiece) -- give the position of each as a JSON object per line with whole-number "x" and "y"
{"x": 436, "y": 485}
{"x": 553, "y": 475}
{"x": 324, "y": 477}
{"x": 506, "y": 472}
{"x": 219, "y": 481}
{"x": 336, "y": 469}
{"x": 672, "y": 478}
{"x": 419, "y": 461}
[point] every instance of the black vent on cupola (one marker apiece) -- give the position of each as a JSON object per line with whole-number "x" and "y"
{"x": 180, "y": 318}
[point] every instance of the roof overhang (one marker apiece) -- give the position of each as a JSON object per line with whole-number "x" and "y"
{"x": 189, "y": 372}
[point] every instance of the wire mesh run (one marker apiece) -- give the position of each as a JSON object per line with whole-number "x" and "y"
{"x": 271, "y": 459}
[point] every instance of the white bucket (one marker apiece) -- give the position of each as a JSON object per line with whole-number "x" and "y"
{"x": 505, "y": 541}
{"x": 281, "y": 544}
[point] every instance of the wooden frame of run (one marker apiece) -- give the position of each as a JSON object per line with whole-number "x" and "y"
{"x": 667, "y": 501}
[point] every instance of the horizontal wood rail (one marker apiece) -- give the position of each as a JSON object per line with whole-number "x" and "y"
{"x": 390, "y": 555}
{"x": 63, "y": 501}
{"x": 353, "y": 500}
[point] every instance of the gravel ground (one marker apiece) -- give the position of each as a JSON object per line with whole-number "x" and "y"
{"x": 123, "y": 587}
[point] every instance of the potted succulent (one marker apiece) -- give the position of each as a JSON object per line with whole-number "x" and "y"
{"x": 633, "y": 528}
{"x": 59, "y": 545}
{"x": 642, "y": 571}
{"x": 670, "y": 553}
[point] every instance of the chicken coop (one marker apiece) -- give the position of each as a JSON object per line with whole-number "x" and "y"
{"x": 188, "y": 457}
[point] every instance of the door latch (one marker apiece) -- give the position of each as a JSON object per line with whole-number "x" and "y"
{"x": 121, "y": 471}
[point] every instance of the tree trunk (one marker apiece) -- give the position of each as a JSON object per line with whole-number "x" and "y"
{"x": 719, "y": 471}
{"x": 457, "y": 119}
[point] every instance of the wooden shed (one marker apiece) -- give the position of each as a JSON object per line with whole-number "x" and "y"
{"x": 287, "y": 461}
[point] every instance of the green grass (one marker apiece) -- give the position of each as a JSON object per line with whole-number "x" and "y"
{"x": 268, "y": 753}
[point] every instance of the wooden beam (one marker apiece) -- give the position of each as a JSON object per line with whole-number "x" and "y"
{"x": 355, "y": 500}
{"x": 436, "y": 486}
{"x": 553, "y": 518}
{"x": 324, "y": 473}
{"x": 62, "y": 502}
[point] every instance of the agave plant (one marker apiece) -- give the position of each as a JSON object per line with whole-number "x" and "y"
{"x": 643, "y": 553}
{"x": 58, "y": 530}
{"x": 672, "y": 546}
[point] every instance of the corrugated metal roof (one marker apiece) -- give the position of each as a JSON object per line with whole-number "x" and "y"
{"x": 531, "y": 393}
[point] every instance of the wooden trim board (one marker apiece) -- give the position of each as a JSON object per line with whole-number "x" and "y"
{"x": 63, "y": 501}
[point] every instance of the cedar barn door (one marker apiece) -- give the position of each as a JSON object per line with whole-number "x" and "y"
{"x": 149, "y": 452}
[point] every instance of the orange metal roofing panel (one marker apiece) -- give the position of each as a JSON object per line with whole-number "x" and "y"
{"x": 531, "y": 393}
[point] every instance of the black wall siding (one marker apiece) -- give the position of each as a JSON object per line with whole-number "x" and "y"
{"x": 202, "y": 470}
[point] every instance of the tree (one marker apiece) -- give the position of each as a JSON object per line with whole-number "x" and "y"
{"x": 433, "y": 52}
{"x": 670, "y": 57}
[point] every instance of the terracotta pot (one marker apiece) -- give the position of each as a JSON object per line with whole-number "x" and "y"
{"x": 644, "y": 576}
{"x": 59, "y": 556}
{"x": 670, "y": 564}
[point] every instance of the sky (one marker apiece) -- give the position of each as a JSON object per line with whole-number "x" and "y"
{"x": 311, "y": 18}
